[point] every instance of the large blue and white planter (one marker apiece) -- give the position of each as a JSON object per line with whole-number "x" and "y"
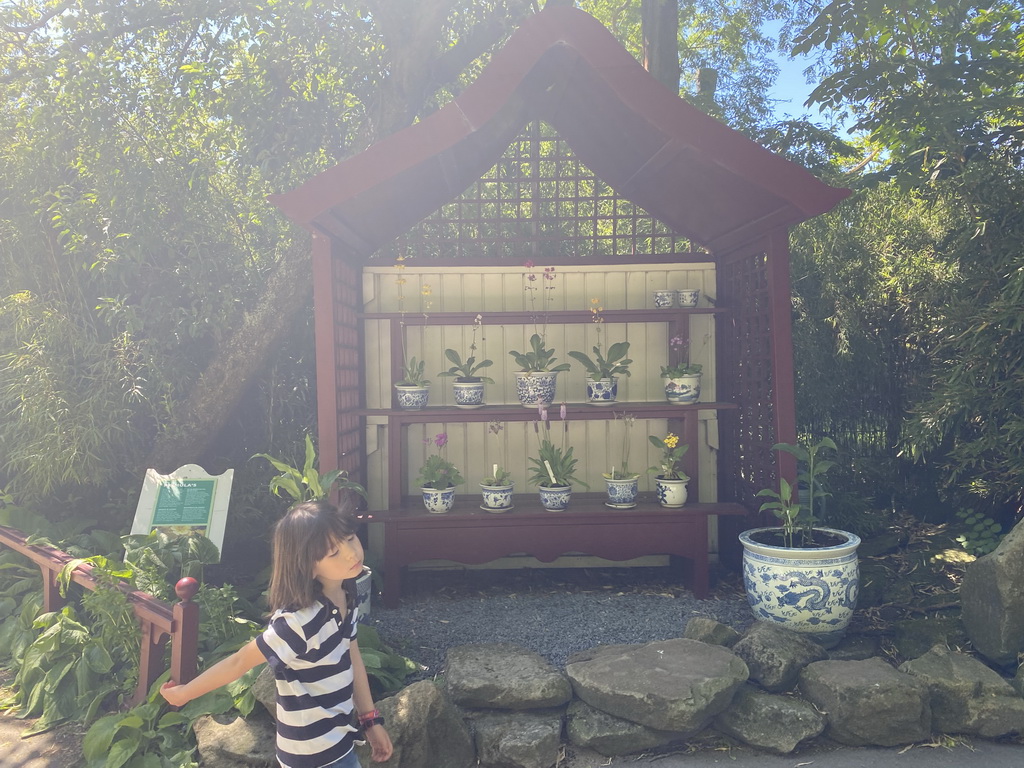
{"x": 536, "y": 387}
{"x": 602, "y": 391}
{"x": 811, "y": 590}
{"x": 555, "y": 498}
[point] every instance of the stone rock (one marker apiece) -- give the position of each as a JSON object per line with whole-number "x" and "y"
{"x": 1018, "y": 681}
{"x": 592, "y": 653}
{"x": 265, "y": 690}
{"x": 915, "y": 637}
{"x": 503, "y": 676}
{"x": 775, "y": 655}
{"x": 227, "y": 742}
{"x": 868, "y": 702}
{"x": 426, "y": 730}
{"x": 710, "y": 631}
{"x": 673, "y": 685}
{"x": 593, "y": 729}
{"x": 966, "y": 696}
{"x": 855, "y": 648}
{"x": 517, "y": 740}
{"x": 769, "y": 721}
{"x": 992, "y": 600}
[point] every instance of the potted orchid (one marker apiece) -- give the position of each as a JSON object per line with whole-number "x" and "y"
{"x": 622, "y": 484}
{"x": 438, "y": 477}
{"x": 670, "y": 480}
{"x": 554, "y": 467}
{"x": 469, "y": 385}
{"x": 603, "y": 370}
{"x": 498, "y": 486}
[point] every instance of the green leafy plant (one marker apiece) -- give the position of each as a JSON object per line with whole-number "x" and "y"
{"x": 601, "y": 367}
{"x": 798, "y": 520}
{"x": 499, "y": 475}
{"x": 306, "y": 483}
{"x": 622, "y": 471}
{"x": 539, "y": 358}
{"x": 414, "y": 373}
{"x": 386, "y": 669}
{"x": 672, "y": 452}
{"x": 467, "y": 371}
{"x": 554, "y": 466}
{"x": 437, "y": 472}
{"x": 981, "y": 533}
{"x": 680, "y": 369}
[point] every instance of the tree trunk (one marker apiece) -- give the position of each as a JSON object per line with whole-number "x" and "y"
{"x": 660, "y": 20}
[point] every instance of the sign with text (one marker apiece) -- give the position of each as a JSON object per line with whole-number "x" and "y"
{"x": 186, "y": 501}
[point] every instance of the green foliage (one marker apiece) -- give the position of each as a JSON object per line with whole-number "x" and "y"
{"x": 795, "y": 516}
{"x": 466, "y": 371}
{"x": 680, "y": 369}
{"x": 562, "y": 465}
{"x": 414, "y": 373}
{"x": 438, "y": 473}
{"x": 601, "y": 367}
{"x": 672, "y": 452}
{"x": 386, "y": 669}
{"x": 539, "y": 358}
{"x": 307, "y": 484}
{"x": 981, "y": 533}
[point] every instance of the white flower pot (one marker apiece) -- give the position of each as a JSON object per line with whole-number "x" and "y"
{"x": 536, "y": 387}
{"x": 412, "y": 398}
{"x": 555, "y": 498}
{"x": 683, "y": 390}
{"x": 438, "y": 502}
{"x": 671, "y": 493}
{"x": 622, "y": 493}
{"x": 468, "y": 394}
{"x": 602, "y": 391}
{"x": 497, "y": 498}
{"x": 810, "y": 590}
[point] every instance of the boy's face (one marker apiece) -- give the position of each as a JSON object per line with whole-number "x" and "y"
{"x": 344, "y": 560}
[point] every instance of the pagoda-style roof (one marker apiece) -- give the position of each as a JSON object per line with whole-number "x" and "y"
{"x": 703, "y": 179}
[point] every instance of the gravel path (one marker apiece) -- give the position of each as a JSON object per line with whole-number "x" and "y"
{"x": 554, "y": 612}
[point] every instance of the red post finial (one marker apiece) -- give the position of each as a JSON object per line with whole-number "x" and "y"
{"x": 186, "y": 589}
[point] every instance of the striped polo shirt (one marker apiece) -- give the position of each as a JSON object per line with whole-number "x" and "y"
{"x": 308, "y": 651}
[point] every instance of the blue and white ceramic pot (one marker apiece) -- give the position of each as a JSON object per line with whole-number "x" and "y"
{"x": 688, "y": 297}
{"x": 497, "y": 498}
{"x": 412, "y": 398}
{"x": 671, "y": 493}
{"x": 683, "y": 390}
{"x": 437, "y": 501}
{"x": 622, "y": 493}
{"x": 555, "y": 498}
{"x": 536, "y": 387}
{"x": 664, "y": 299}
{"x": 602, "y": 391}
{"x": 468, "y": 394}
{"x": 811, "y": 590}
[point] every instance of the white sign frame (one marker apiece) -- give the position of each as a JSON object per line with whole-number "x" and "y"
{"x": 216, "y": 515}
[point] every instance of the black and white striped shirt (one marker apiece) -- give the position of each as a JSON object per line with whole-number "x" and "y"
{"x": 308, "y": 651}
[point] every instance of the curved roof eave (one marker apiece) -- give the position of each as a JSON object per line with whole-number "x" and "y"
{"x": 707, "y": 181}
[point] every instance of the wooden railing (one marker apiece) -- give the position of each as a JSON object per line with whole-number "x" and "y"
{"x": 157, "y": 619}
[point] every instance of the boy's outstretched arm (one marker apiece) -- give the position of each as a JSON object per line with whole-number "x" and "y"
{"x": 223, "y": 672}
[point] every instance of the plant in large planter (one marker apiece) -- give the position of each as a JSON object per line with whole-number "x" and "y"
{"x": 468, "y": 386}
{"x": 537, "y": 378}
{"x": 497, "y": 487}
{"x": 798, "y": 574}
{"x": 554, "y": 467}
{"x": 603, "y": 372}
{"x": 670, "y": 480}
{"x": 622, "y": 484}
{"x": 413, "y": 389}
{"x": 438, "y": 477}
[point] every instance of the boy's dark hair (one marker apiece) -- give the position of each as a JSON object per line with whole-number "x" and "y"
{"x": 302, "y": 537}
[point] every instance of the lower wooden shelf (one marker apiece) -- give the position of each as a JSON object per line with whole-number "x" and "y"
{"x": 470, "y": 535}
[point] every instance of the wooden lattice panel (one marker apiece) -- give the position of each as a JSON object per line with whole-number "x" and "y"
{"x": 538, "y": 200}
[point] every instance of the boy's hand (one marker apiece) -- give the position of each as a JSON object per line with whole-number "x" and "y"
{"x": 175, "y": 694}
{"x": 380, "y": 742}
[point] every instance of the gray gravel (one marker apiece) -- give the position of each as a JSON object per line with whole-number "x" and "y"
{"x": 554, "y": 612}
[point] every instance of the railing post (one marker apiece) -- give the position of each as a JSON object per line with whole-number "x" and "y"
{"x": 52, "y": 598}
{"x": 185, "y": 635}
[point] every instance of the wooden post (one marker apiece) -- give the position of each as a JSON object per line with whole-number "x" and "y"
{"x": 185, "y": 640}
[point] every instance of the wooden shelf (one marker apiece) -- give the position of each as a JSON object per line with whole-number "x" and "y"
{"x": 553, "y": 317}
{"x": 517, "y": 412}
{"x": 470, "y": 535}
